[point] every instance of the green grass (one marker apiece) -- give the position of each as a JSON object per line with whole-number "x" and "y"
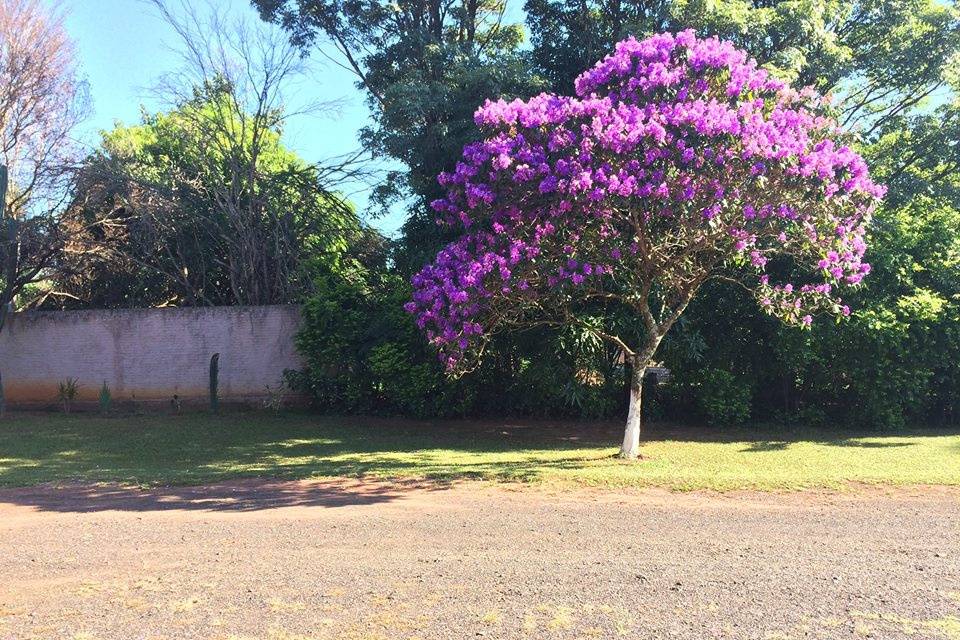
{"x": 195, "y": 449}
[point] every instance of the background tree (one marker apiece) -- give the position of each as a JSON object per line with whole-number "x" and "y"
{"x": 422, "y": 64}
{"x": 29, "y": 248}
{"x": 171, "y": 232}
{"x": 203, "y": 205}
{"x": 41, "y": 101}
{"x": 884, "y": 368}
{"x": 881, "y": 57}
{"x": 678, "y": 162}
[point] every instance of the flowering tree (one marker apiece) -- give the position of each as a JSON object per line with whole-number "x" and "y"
{"x": 678, "y": 161}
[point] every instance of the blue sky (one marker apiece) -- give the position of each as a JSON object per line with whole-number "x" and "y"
{"x": 124, "y": 47}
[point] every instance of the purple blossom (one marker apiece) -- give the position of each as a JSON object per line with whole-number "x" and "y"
{"x": 686, "y": 135}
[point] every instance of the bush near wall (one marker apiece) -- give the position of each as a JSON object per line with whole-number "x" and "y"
{"x": 364, "y": 354}
{"x": 892, "y": 364}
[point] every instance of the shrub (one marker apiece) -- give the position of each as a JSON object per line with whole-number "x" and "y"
{"x": 723, "y": 398}
{"x": 105, "y": 399}
{"x": 67, "y": 390}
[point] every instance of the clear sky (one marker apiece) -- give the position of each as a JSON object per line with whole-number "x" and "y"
{"x": 124, "y": 47}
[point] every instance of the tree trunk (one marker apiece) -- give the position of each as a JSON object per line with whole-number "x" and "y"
{"x": 631, "y": 435}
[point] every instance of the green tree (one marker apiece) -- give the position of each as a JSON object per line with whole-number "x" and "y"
{"x": 882, "y": 56}
{"x": 362, "y": 352}
{"x": 886, "y": 366}
{"x": 424, "y": 66}
{"x": 198, "y": 206}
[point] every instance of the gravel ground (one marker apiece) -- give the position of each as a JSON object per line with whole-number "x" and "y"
{"x": 345, "y": 559}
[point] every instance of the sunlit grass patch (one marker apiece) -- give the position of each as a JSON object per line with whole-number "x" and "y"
{"x": 197, "y": 449}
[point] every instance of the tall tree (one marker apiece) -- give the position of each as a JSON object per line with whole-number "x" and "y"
{"x": 423, "y": 65}
{"x": 202, "y": 205}
{"x": 41, "y": 101}
{"x": 181, "y": 212}
{"x": 678, "y": 162}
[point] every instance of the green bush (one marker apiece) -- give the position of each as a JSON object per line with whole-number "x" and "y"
{"x": 364, "y": 354}
{"x": 414, "y": 388}
{"x": 723, "y": 398}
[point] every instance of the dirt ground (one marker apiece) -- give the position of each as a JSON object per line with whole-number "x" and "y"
{"x": 348, "y": 559}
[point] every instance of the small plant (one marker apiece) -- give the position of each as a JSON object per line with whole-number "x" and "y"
{"x": 105, "y": 398}
{"x": 67, "y": 392}
{"x": 274, "y": 397}
{"x": 214, "y": 383}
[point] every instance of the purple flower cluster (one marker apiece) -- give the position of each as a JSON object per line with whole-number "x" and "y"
{"x": 674, "y": 149}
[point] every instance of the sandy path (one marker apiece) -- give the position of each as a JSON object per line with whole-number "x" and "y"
{"x": 349, "y": 559}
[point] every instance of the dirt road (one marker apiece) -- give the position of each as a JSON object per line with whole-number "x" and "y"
{"x": 287, "y": 560}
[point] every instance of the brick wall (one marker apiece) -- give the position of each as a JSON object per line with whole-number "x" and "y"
{"x": 147, "y": 354}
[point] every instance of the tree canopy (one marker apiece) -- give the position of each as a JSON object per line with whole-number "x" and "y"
{"x": 678, "y": 161}
{"x": 421, "y": 64}
{"x": 198, "y": 206}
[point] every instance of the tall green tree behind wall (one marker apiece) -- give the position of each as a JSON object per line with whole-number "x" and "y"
{"x": 197, "y": 207}
{"x": 423, "y": 65}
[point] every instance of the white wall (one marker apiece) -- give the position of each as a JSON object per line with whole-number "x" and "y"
{"x": 147, "y": 354}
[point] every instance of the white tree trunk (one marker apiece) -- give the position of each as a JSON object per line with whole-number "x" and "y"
{"x": 631, "y": 435}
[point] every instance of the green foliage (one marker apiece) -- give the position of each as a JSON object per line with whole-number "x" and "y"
{"x": 881, "y": 53}
{"x": 885, "y": 368}
{"x": 200, "y": 205}
{"x": 412, "y": 388}
{"x": 67, "y": 390}
{"x": 364, "y": 354}
{"x": 424, "y": 75}
{"x": 723, "y": 398}
{"x": 105, "y": 398}
{"x": 362, "y": 351}
{"x": 908, "y": 318}
{"x": 428, "y": 131}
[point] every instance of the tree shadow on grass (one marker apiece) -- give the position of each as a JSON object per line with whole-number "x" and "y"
{"x": 87, "y": 451}
{"x": 781, "y": 445}
{"x": 763, "y": 438}
{"x": 102, "y": 464}
{"x": 766, "y": 445}
{"x": 352, "y": 486}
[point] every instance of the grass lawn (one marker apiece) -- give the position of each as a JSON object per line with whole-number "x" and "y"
{"x": 196, "y": 448}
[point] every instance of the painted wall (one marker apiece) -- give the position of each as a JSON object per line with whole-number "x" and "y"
{"x": 147, "y": 354}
